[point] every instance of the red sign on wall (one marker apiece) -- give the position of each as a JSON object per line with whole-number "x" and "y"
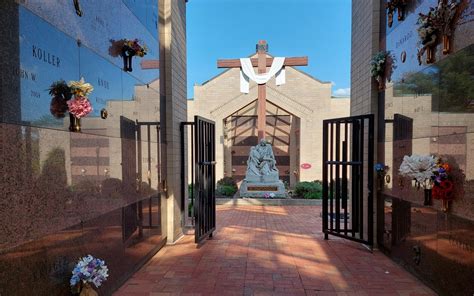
{"x": 305, "y": 166}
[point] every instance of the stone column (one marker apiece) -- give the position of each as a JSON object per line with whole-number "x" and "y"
{"x": 364, "y": 93}
{"x": 173, "y": 110}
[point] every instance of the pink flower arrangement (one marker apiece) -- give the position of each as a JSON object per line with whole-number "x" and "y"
{"x": 70, "y": 97}
{"x": 79, "y": 106}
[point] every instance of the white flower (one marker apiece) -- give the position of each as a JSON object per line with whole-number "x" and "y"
{"x": 418, "y": 167}
{"x": 80, "y": 88}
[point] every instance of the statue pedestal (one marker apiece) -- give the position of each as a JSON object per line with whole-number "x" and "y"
{"x": 261, "y": 189}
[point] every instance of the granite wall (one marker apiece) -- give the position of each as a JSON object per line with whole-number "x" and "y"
{"x": 428, "y": 109}
{"x": 62, "y": 194}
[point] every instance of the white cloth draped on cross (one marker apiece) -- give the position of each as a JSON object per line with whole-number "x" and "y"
{"x": 247, "y": 73}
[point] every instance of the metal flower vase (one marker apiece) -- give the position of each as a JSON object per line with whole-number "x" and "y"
{"x": 427, "y": 195}
{"x": 74, "y": 124}
{"x": 127, "y": 55}
{"x": 87, "y": 290}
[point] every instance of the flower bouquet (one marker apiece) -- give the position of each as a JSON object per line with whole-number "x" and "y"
{"x": 399, "y": 6}
{"x": 127, "y": 49}
{"x": 71, "y": 97}
{"x": 382, "y": 177}
{"x": 382, "y": 66}
{"x": 269, "y": 195}
{"x": 420, "y": 168}
{"x": 438, "y": 22}
{"x": 88, "y": 270}
{"x": 443, "y": 186}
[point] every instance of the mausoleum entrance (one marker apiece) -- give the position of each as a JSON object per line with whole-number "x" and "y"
{"x": 282, "y": 132}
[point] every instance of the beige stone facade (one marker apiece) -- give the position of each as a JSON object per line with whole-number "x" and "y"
{"x": 172, "y": 30}
{"x": 306, "y": 99}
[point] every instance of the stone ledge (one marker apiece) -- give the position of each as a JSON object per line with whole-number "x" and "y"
{"x": 268, "y": 202}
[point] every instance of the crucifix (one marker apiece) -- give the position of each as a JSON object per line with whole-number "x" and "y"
{"x": 262, "y": 62}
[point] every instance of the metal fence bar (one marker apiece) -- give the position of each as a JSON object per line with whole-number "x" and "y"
{"x": 344, "y": 193}
{"x": 338, "y": 180}
{"x": 331, "y": 176}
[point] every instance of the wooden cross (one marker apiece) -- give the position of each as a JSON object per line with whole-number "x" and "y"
{"x": 262, "y": 62}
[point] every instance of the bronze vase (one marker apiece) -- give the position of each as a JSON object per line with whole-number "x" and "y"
{"x": 401, "y": 13}
{"x": 430, "y": 53}
{"x": 74, "y": 124}
{"x": 380, "y": 182}
{"x": 427, "y": 201}
{"x": 87, "y": 290}
{"x": 446, "y": 44}
{"x": 127, "y": 55}
{"x": 390, "y": 19}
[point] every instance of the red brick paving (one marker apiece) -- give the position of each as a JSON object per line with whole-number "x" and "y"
{"x": 270, "y": 250}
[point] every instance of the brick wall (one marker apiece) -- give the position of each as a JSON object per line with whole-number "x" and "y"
{"x": 365, "y": 43}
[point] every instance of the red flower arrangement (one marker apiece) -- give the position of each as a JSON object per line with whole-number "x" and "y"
{"x": 443, "y": 186}
{"x": 444, "y": 190}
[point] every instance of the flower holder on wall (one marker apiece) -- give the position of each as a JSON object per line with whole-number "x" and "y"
{"x": 427, "y": 195}
{"x": 437, "y": 26}
{"x": 74, "y": 123}
{"x": 396, "y": 5}
{"x": 381, "y": 67}
{"x": 127, "y": 55}
{"x": 127, "y": 49}
{"x": 72, "y": 98}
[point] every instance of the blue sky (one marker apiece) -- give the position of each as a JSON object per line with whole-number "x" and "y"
{"x": 319, "y": 29}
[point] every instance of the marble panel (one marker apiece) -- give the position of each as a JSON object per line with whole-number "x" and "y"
{"x": 46, "y": 55}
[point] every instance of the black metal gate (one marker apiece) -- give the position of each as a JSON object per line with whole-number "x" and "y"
{"x": 348, "y": 172}
{"x": 203, "y": 175}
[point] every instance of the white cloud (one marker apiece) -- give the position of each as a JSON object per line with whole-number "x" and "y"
{"x": 342, "y": 92}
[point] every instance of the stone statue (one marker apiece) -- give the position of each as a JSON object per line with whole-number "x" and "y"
{"x": 253, "y": 163}
{"x": 267, "y": 159}
{"x": 261, "y": 178}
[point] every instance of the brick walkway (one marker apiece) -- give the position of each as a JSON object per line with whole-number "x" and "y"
{"x": 270, "y": 250}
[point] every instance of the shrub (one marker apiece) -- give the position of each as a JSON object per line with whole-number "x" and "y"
{"x": 309, "y": 190}
{"x": 226, "y": 190}
{"x": 227, "y": 181}
{"x": 226, "y": 186}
